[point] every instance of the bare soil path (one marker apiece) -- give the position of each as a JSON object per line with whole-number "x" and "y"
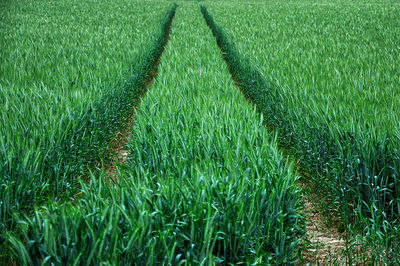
{"x": 120, "y": 152}
{"x": 325, "y": 244}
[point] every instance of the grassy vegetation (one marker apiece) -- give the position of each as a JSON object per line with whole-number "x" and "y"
{"x": 325, "y": 75}
{"x": 204, "y": 183}
{"x": 69, "y": 72}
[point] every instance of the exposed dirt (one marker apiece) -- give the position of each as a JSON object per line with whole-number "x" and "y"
{"x": 119, "y": 150}
{"x": 325, "y": 244}
{"x": 119, "y": 147}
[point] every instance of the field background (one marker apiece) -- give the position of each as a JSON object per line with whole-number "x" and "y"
{"x": 205, "y": 179}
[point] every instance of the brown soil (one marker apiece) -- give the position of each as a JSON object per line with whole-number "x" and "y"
{"x": 325, "y": 245}
{"x": 119, "y": 151}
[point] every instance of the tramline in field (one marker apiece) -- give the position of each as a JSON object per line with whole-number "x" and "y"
{"x": 69, "y": 72}
{"x": 204, "y": 184}
{"x": 326, "y": 76}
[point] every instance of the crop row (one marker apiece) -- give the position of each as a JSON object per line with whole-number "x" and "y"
{"x": 204, "y": 183}
{"x": 69, "y": 72}
{"x": 325, "y": 75}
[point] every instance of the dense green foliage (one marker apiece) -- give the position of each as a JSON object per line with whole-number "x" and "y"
{"x": 204, "y": 183}
{"x": 325, "y": 74}
{"x": 69, "y": 71}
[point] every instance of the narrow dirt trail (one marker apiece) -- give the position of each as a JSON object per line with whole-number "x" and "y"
{"x": 120, "y": 152}
{"x": 325, "y": 245}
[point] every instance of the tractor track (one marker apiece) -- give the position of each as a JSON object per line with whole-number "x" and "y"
{"x": 324, "y": 244}
{"x": 119, "y": 151}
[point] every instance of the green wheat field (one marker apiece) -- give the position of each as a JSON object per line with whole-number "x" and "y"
{"x": 193, "y": 132}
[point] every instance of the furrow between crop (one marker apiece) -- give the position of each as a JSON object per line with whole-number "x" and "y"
{"x": 119, "y": 151}
{"x": 326, "y": 243}
{"x": 82, "y": 137}
{"x": 333, "y": 108}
